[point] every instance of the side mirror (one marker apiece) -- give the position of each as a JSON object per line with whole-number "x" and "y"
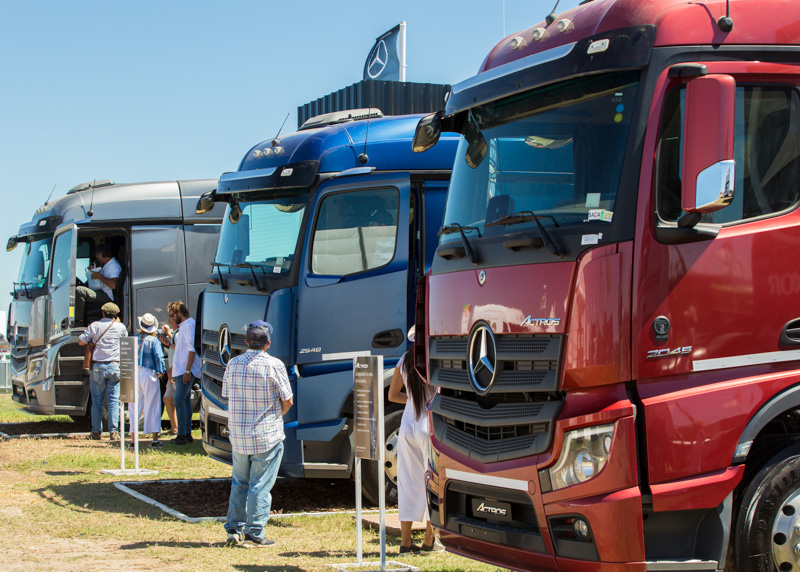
{"x": 428, "y": 131}
{"x": 205, "y": 203}
{"x": 235, "y": 213}
{"x": 708, "y": 165}
{"x": 11, "y": 244}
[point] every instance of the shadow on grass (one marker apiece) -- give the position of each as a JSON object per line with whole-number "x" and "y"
{"x": 94, "y": 497}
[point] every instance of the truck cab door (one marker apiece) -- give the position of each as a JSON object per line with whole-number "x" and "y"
{"x": 353, "y": 285}
{"x": 61, "y": 306}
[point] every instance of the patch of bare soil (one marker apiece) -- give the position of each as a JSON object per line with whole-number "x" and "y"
{"x": 204, "y": 498}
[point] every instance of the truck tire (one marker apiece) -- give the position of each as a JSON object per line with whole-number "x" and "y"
{"x": 370, "y": 475}
{"x": 765, "y": 534}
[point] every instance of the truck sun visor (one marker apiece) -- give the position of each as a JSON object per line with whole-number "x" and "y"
{"x": 293, "y": 175}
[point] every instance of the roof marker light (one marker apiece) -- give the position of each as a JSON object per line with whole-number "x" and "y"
{"x": 277, "y": 150}
{"x": 539, "y": 34}
{"x": 257, "y": 154}
{"x": 597, "y": 47}
{"x": 565, "y": 25}
{"x": 518, "y": 42}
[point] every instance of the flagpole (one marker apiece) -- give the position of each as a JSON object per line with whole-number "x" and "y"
{"x": 402, "y": 50}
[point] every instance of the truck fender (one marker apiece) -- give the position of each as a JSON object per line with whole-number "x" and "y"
{"x": 788, "y": 399}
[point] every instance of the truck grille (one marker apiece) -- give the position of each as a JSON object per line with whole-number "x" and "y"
{"x": 515, "y": 418}
{"x": 213, "y": 370}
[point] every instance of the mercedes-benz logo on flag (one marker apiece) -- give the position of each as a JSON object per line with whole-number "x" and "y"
{"x": 482, "y": 359}
{"x": 377, "y": 60}
{"x": 224, "y": 345}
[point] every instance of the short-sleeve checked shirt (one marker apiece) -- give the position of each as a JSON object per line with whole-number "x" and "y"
{"x": 255, "y": 383}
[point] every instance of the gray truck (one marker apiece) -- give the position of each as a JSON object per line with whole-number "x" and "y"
{"x": 164, "y": 249}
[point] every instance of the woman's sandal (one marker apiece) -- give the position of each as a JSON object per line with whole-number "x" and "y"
{"x": 407, "y": 549}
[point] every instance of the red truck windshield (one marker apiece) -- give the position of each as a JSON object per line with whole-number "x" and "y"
{"x": 555, "y": 151}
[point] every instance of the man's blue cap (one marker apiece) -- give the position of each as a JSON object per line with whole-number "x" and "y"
{"x": 258, "y": 334}
{"x": 260, "y": 324}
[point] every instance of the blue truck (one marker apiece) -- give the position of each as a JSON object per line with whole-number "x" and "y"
{"x": 326, "y": 232}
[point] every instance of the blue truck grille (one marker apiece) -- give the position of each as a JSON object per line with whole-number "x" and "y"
{"x": 213, "y": 370}
{"x": 515, "y": 418}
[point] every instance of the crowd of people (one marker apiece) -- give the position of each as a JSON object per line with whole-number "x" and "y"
{"x": 172, "y": 343}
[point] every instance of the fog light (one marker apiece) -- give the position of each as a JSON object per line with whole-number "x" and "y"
{"x": 581, "y": 529}
{"x": 225, "y": 432}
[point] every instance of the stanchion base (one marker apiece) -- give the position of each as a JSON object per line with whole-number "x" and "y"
{"x": 391, "y": 566}
{"x": 120, "y": 472}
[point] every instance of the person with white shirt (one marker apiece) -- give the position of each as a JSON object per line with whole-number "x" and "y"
{"x": 108, "y": 276}
{"x": 187, "y": 367}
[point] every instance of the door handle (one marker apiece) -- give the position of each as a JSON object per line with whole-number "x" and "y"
{"x": 388, "y": 339}
{"x": 790, "y": 335}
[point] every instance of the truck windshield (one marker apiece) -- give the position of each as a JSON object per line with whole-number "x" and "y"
{"x": 552, "y": 155}
{"x": 265, "y": 235}
{"x": 34, "y": 265}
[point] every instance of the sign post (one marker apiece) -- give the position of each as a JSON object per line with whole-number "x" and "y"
{"x": 368, "y": 443}
{"x": 129, "y": 393}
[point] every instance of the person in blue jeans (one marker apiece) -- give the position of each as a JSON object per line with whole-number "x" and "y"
{"x": 187, "y": 367}
{"x": 104, "y": 375}
{"x": 259, "y": 395}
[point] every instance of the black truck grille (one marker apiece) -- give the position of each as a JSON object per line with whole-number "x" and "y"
{"x": 213, "y": 370}
{"x": 515, "y": 418}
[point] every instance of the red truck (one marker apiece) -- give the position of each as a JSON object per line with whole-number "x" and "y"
{"x": 613, "y": 318}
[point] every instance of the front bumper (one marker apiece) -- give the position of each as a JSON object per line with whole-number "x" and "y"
{"x": 532, "y": 529}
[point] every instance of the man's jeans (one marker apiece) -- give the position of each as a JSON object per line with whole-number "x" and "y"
{"x": 251, "y": 483}
{"x": 105, "y": 384}
{"x": 183, "y": 404}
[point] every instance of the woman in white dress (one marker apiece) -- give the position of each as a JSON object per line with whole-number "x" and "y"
{"x": 412, "y": 451}
{"x": 151, "y": 365}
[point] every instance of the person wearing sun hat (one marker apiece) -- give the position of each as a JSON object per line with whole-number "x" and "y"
{"x": 151, "y": 365}
{"x": 259, "y": 395}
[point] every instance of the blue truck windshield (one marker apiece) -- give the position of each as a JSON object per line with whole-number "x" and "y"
{"x": 264, "y": 236}
{"x": 555, "y": 152}
{"x": 34, "y": 264}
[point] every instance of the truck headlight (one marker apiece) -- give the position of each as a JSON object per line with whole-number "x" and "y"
{"x": 35, "y": 368}
{"x": 584, "y": 453}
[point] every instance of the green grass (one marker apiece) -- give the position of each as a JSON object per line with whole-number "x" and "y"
{"x": 81, "y": 517}
{"x": 11, "y": 412}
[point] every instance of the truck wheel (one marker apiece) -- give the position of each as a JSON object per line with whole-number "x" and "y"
{"x": 768, "y": 526}
{"x": 370, "y": 475}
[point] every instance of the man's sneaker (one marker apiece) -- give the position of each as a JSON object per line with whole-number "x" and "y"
{"x": 189, "y": 438}
{"x": 250, "y": 542}
{"x": 179, "y": 440}
{"x": 235, "y": 538}
{"x": 95, "y": 436}
{"x": 114, "y": 436}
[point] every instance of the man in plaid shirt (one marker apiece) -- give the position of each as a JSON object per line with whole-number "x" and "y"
{"x": 259, "y": 395}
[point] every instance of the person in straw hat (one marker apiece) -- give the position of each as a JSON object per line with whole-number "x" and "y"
{"x": 151, "y": 365}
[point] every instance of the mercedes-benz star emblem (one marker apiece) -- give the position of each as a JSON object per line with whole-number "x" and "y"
{"x": 482, "y": 359}
{"x": 378, "y": 58}
{"x": 482, "y": 277}
{"x": 224, "y": 346}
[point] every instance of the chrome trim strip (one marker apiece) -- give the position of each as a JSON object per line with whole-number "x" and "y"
{"x": 344, "y": 355}
{"x": 515, "y": 66}
{"x": 479, "y": 479}
{"x": 739, "y": 361}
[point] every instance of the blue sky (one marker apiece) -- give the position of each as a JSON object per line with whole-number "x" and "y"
{"x": 154, "y": 90}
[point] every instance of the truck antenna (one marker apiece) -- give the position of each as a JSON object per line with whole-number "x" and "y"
{"x": 275, "y": 139}
{"x": 725, "y": 23}
{"x": 551, "y": 17}
{"x": 364, "y": 158}
{"x": 90, "y": 212}
{"x": 50, "y": 195}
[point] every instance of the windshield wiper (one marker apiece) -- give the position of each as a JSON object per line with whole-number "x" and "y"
{"x": 527, "y": 216}
{"x": 217, "y": 265}
{"x": 519, "y": 218}
{"x": 253, "y": 272}
{"x": 455, "y": 227}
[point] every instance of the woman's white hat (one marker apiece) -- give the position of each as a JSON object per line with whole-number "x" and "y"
{"x": 148, "y": 323}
